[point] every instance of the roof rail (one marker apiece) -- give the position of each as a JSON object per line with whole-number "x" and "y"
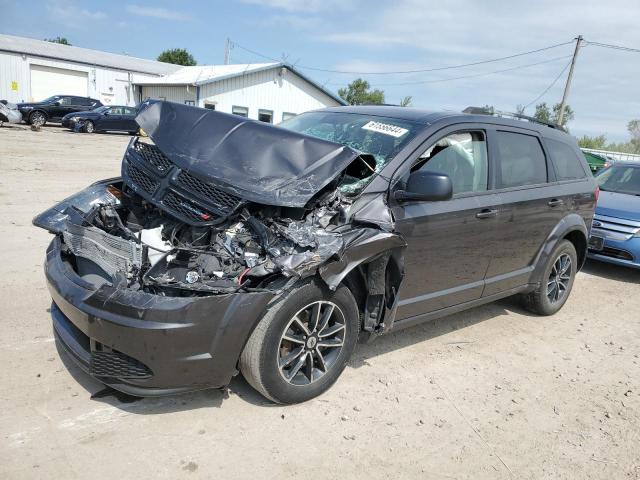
{"x": 517, "y": 116}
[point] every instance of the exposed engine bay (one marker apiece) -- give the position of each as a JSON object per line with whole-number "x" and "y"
{"x": 140, "y": 246}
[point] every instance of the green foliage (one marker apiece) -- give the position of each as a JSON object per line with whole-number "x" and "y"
{"x": 406, "y": 101}
{"x": 489, "y": 109}
{"x": 597, "y": 143}
{"x": 60, "y": 40}
{"x": 177, "y": 56}
{"x": 358, "y": 93}
{"x": 545, "y": 114}
{"x": 634, "y": 129}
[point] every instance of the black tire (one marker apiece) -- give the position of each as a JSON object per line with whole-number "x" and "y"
{"x": 541, "y": 300}
{"x": 262, "y": 357}
{"x": 37, "y": 118}
{"x": 88, "y": 127}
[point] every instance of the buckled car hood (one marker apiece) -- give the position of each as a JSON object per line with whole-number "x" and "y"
{"x": 257, "y": 161}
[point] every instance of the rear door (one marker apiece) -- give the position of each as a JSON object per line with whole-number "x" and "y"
{"x": 129, "y": 119}
{"x": 530, "y": 209}
{"x": 449, "y": 243}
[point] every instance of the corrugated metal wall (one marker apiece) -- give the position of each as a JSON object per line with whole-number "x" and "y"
{"x": 106, "y": 84}
{"x": 170, "y": 93}
{"x": 266, "y": 90}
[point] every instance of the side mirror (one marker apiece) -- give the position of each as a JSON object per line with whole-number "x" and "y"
{"x": 426, "y": 187}
{"x": 106, "y": 113}
{"x": 56, "y": 104}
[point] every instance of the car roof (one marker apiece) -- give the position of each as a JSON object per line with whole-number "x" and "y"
{"x": 428, "y": 117}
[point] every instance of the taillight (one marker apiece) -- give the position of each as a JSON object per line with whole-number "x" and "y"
{"x": 597, "y": 193}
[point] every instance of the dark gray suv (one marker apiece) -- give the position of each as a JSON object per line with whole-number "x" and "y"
{"x": 230, "y": 245}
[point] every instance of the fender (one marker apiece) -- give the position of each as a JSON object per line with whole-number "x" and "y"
{"x": 571, "y": 223}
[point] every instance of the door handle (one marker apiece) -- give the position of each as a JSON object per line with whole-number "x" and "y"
{"x": 556, "y": 202}
{"x": 486, "y": 213}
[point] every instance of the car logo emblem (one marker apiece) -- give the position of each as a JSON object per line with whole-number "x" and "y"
{"x": 596, "y": 224}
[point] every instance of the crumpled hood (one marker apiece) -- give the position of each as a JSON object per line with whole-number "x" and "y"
{"x": 260, "y": 162}
{"x": 619, "y": 205}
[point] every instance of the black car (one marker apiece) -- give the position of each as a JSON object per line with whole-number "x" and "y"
{"x": 115, "y": 118}
{"x": 233, "y": 245}
{"x": 54, "y": 108}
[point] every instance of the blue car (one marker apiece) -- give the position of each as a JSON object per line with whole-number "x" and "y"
{"x": 615, "y": 231}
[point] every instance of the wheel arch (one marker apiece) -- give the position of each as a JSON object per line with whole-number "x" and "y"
{"x": 38, "y": 110}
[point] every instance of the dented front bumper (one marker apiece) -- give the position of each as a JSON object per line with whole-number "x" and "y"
{"x": 144, "y": 344}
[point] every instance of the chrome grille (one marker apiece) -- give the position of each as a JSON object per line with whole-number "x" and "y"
{"x": 614, "y": 228}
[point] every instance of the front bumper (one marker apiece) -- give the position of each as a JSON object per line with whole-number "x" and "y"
{"x": 618, "y": 252}
{"x": 148, "y": 345}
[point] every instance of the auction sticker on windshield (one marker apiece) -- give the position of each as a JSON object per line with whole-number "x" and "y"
{"x": 385, "y": 128}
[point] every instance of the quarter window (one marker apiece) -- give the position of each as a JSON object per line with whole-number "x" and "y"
{"x": 565, "y": 160}
{"x": 522, "y": 161}
{"x": 242, "y": 111}
{"x": 287, "y": 115}
{"x": 461, "y": 156}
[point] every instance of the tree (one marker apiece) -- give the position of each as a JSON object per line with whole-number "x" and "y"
{"x": 634, "y": 129}
{"x": 597, "y": 143}
{"x": 358, "y": 93}
{"x": 489, "y": 109}
{"x": 545, "y": 114}
{"x": 60, "y": 40}
{"x": 177, "y": 56}
{"x": 406, "y": 101}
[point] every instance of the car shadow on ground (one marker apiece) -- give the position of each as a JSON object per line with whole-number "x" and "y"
{"x": 239, "y": 387}
{"x": 610, "y": 271}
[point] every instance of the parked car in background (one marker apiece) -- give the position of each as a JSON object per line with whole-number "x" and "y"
{"x": 54, "y": 108}
{"x": 114, "y": 118}
{"x": 615, "y": 232}
{"x": 234, "y": 245}
{"x": 9, "y": 113}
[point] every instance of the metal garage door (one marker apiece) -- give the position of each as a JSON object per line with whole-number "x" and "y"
{"x": 47, "y": 81}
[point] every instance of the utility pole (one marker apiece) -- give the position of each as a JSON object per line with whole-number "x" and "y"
{"x": 567, "y": 87}
{"x": 227, "y": 51}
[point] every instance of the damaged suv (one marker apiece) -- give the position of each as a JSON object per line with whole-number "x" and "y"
{"x": 230, "y": 245}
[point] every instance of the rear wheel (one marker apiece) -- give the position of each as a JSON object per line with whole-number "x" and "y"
{"x": 557, "y": 281}
{"x": 37, "y": 119}
{"x": 302, "y": 344}
{"x": 88, "y": 127}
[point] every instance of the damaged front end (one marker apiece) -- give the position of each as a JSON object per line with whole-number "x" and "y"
{"x": 187, "y": 232}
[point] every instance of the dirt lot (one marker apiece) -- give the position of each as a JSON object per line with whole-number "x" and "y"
{"x": 489, "y": 393}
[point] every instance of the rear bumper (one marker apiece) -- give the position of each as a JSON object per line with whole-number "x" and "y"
{"x": 149, "y": 345}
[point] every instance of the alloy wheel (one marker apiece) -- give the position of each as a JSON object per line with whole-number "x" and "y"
{"x": 88, "y": 127}
{"x": 37, "y": 119}
{"x": 559, "y": 279}
{"x": 311, "y": 343}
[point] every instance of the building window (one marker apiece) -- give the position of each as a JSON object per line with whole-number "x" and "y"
{"x": 287, "y": 115}
{"x": 190, "y": 102}
{"x": 265, "y": 116}
{"x": 210, "y": 106}
{"x": 241, "y": 111}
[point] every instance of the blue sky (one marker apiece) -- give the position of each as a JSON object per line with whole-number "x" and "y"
{"x": 374, "y": 36}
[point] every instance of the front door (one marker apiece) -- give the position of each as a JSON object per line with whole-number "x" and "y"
{"x": 450, "y": 243}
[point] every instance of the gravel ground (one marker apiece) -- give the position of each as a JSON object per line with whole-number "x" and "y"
{"x": 489, "y": 393}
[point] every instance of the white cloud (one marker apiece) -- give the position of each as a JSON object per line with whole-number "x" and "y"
{"x": 69, "y": 14}
{"x": 302, "y": 5}
{"x": 159, "y": 12}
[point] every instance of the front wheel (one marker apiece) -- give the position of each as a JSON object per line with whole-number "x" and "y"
{"x": 557, "y": 281}
{"x": 88, "y": 127}
{"x": 302, "y": 344}
{"x": 37, "y": 119}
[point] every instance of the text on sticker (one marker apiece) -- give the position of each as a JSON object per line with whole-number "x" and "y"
{"x": 385, "y": 128}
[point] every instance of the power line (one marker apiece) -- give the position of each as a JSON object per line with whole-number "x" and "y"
{"x": 422, "y": 70}
{"x": 466, "y": 76}
{"x": 549, "y": 87}
{"x": 615, "y": 47}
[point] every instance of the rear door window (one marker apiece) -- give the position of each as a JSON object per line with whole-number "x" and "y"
{"x": 565, "y": 160}
{"x": 522, "y": 160}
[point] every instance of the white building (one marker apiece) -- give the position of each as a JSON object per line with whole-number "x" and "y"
{"x": 270, "y": 92}
{"x": 32, "y": 70}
